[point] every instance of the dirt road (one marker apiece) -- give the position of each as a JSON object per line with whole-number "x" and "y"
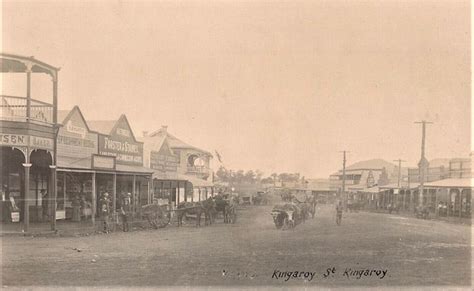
{"x": 367, "y": 246}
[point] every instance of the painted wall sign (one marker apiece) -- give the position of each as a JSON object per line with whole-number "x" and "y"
{"x": 42, "y": 142}
{"x": 122, "y": 145}
{"x": 13, "y": 140}
{"x": 103, "y": 162}
{"x": 123, "y": 132}
{"x": 163, "y": 162}
{"x": 74, "y": 140}
{"x": 76, "y": 129}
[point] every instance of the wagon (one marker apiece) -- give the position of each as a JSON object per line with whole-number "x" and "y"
{"x": 286, "y": 216}
{"x": 157, "y": 215}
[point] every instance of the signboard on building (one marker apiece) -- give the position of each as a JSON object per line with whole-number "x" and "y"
{"x": 164, "y": 163}
{"x": 42, "y": 143}
{"x": 13, "y": 140}
{"x": 103, "y": 162}
{"x": 164, "y": 160}
{"x": 121, "y": 144}
{"x": 74, "y": 138}
{"x": 26, "y": 140}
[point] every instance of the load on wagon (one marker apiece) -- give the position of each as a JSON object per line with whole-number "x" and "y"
{"x": 286, "y": 215}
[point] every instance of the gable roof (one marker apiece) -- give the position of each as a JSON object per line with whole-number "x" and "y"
{"x": 372, "y": 164}
{"x": 63, "y": 115}
{"x": 108, "y": 126}
{"x": 153, "y": 142}
{"x": 102, "y": 126}
{"x": 174, "y": 142}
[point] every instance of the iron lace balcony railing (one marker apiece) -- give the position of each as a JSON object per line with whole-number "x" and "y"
{"x": 15, "y": 108}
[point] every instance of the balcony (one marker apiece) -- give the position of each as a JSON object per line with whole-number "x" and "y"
{"x": 21, "y": 109}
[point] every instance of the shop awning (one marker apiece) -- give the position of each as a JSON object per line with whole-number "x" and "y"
{"x": 403, "y": 185}
{"x": 65, "y": 163}
{"x": 452, "y": 183}
{"x": 133, "y": 169}
{"x": 74, "y": 163}
{"x": 370, "y": 190}
{"x": 196, "y": 181}
{"x": 180, "y": 177}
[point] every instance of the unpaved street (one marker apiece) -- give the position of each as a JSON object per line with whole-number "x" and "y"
{"x": 251, "y": 252}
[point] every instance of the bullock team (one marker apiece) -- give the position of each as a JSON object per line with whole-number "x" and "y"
{"x": 293, "y": 212}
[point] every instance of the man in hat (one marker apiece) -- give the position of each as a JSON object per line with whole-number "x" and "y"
{"x": 125, "y": 210}
{"x": 105, "y": 210}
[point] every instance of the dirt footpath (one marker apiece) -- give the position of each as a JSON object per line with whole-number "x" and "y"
{"x": 368, "y": 249}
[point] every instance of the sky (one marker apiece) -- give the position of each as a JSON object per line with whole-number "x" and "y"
{"x": 275, "y": 86}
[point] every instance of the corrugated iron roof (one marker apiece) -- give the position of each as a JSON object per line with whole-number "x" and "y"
{"x": 452, "y": 182}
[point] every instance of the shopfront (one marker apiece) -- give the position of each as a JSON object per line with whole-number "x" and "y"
{"x": 75, "y": 182}
{"x": 169, "y": 186}
{"x": 453, "y": 196}
{"x": 119, "y": 165}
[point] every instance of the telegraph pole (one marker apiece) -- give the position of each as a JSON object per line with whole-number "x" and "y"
{"x": 399, "y": 171}
{"x": 423, "y": 164}
{"x": 344, "y": 180}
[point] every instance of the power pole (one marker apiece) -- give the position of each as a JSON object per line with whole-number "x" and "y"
{"x": 344, "y": 196}
{"x": 423, "y": 164}
{"x": 399, "y": 171}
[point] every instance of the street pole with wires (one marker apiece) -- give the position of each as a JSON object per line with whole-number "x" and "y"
{"x": 423, "y": 164}
{"x": 399, "y": 171}
{"x": 343, "y": 194}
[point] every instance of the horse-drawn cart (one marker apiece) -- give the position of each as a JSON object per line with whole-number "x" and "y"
{"x": 158, "y": 216}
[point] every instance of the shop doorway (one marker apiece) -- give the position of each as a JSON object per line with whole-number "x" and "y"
{"x": 40, "y": 194}
{"x": 12, "y": 184}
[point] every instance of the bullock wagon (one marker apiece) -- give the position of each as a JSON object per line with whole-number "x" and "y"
{"x": 287, "y": 215}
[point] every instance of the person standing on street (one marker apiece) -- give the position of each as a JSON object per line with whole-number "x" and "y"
{"x": 339, "y": 210}
{"x": 104, "y": 210}
{"x": 125, "y": 211}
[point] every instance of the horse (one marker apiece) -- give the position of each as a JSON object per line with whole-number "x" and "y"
{"x": 220, "y": 205}
{"x": 209, "y": 206}
{"x": 193, "y": 208}
{"x": 230, "y": 213}
{"x": 196, "y": 208}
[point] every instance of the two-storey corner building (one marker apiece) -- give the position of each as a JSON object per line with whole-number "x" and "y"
{"x": 181, "y": 171}
{"x": 28, "y": 125}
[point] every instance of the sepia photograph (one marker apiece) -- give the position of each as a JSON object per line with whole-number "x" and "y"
{"x": 235, "y": 144}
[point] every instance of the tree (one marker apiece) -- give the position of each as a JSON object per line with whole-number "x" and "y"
{"x": 258, "y": 175}
{"x": 274, "y": 177}
{"x": 249, "y": 177}
{"x": 222, "y": 174}
{"x": 267, "y": 180}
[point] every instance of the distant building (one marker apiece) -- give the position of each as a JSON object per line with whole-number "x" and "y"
{"x": 365, "y": 174}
